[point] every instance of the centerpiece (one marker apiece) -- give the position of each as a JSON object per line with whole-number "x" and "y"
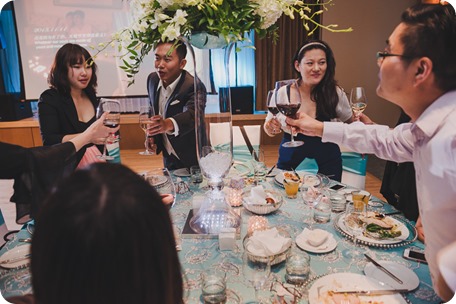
{"x": 209, "y": 24}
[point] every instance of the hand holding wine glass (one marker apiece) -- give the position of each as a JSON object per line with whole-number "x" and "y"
{"x": 111, "y": 120}
{"x": 145, "y": 115}
{"x": 288, "y": 102}
{"x": 358, "y": 101}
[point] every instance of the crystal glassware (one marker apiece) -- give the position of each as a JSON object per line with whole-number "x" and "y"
{"x": 288, "y": 101}
{"x": 145, "y": 114}
{"x": 111, "y": 120}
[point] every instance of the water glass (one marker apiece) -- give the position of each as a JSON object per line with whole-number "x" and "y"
{"x": 360, "y": 201}
{"x": 196, "y": 175}
{"x": 213, "y": 286}
{"x": 338, "y": 202}
{"x": 322, "y": 212}
{"x": 297, "y": 267}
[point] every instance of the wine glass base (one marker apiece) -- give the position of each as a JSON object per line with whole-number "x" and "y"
{"x": 105, "y": 157}
{"x": 353, "y": 254}
{"x": 147, "y": 153}
{"x": 292, "y": 144}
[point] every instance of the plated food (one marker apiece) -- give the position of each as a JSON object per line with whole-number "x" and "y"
{"x": 271, "y": 203}
{"x": 378, "y": 230}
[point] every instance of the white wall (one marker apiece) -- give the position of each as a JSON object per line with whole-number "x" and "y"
{"x": 373, "y": 22}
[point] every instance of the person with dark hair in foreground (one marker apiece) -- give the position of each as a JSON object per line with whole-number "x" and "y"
{"x": 418, "y": 73}
{"x": 105, "y": 237}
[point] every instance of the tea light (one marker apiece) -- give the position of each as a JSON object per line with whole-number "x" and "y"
{"x": 257, "y": 223}
{"x": 234, "y": 197}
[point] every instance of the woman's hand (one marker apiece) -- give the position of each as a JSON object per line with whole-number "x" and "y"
{"x": 273, "y": 127}
{"x": 419, "y": 229}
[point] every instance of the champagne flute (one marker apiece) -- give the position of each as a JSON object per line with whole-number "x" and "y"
{"x": 355, "y": 227}
{"x": 358, "y": 101}
{"x": 145, "y": 114}
{"x": 111, "y": 120}
{"x": 288, "y": 100}
{"x": 256, "y": 272}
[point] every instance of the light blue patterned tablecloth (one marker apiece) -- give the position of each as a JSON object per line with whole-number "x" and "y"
{"x": 199, "y": 254}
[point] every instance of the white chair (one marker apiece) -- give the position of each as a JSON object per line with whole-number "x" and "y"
{"x": 354, "y": 168}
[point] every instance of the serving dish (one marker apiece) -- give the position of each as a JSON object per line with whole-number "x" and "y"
{"x": 263, "y": 209}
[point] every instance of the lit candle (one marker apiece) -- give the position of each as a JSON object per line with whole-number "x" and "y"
{"x": 257, "y": 223}
{"x": 234, "y": 197}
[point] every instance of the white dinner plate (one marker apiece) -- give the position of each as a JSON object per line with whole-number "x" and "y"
{"x": 17, "y": 257}
{"x": 318, "y": 293}
{"x": 182, "y": 172}
{"x": 329, "y": 245}
{"x": 407, "y": 276}
{"x": 280, "y": 177}
{"x": 404, "y": 232}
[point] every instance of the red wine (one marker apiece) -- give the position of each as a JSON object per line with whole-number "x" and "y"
{"x": 289, "y": 110}
{"x": 111, "y": 123}
{"x": 273, "y": 110}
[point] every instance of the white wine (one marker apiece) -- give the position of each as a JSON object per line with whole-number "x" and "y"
{"x": 358, "y": 108}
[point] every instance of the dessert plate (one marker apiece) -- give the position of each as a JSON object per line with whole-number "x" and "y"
{"x": 329, "y": 245}
{"x": 16, "y": 257}
{"x": 182, "y": 172}
{"x": 407, "y": 276}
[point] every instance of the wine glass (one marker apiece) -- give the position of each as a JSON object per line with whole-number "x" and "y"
{"x": 256, "y": 272}
{"x": 355, "y": 227}
{"x": 161, "y": 180}
{"x": 288, "y": 101}
{"x": 311, "y": 194}
{"x": 111, "y": 120}
{"x": 145, "y": 114}
{"x": 358, "y": 101}
{"x": 271, "y": 103}
{"x": 259, "y": 170}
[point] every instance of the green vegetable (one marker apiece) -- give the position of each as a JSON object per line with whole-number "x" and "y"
{"x": 383, "y": 233}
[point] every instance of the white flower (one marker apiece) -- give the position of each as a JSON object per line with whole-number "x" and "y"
{"x": 171, "y": 33}
{"x": 179, "y": 17}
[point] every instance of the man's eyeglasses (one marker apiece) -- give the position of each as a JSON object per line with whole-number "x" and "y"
{"x": 382, "y": 55}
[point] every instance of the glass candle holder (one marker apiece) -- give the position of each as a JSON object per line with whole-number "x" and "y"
{"x": 257, "y": 222}
{"x": 234, "y": 197}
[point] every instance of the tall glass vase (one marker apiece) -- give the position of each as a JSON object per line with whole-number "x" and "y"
{"x": 214, "y": 144}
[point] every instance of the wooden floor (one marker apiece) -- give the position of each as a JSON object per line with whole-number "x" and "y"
{"x": 139, "y": 163}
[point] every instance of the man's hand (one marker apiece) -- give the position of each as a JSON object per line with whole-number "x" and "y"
{"x": 159, "y": 125}
{"x": 306, "y": 125}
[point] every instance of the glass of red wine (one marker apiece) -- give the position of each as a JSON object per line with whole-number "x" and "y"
{"x": 111, "y": 120}
{"x": 288, "y": 101}
{"x": 271, "y": 103}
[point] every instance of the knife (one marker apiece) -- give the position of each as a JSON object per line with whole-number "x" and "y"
{"x": 14, "y": 260}
{"x": 383, "y": 269}
{"x": 378, "y": 292}
{"x": 270, "y": 170}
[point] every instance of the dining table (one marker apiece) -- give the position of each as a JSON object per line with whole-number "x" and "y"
{"x": 199, "y": 253}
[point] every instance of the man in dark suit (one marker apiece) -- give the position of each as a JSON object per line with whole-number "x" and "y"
{"x": 171, "y": 92}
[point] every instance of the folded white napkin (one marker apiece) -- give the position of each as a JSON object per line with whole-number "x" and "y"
{"x": 314, "y": 237}
{"x": 267, "y": 243}
{"x": 258, "y": 195}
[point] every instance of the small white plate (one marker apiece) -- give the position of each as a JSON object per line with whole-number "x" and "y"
{"x": 407, "y": 276}
{"x": 280, "y": 177}
{"x": 156, "y": 180}
{"x": 14, "y": 255}
{"x": 329, "y": 245}
{"x": 182, "y": 172}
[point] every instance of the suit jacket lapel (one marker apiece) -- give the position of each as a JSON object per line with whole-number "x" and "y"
{"x": 70, "y": 112}
{"x": 176, "y": 90}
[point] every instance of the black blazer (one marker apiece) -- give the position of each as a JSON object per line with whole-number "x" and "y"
{"x": 58, "y": 117}
{"x": 35, "y": 170}
{"x": 181, "y": 107}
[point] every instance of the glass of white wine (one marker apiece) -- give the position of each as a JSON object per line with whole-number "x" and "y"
{"x": 145, "y": 114}
{"x": 358, "y": 101}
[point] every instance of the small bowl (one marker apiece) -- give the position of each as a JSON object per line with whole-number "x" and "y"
{"x": 263, "y": 209}
{"x": 274, "y": 259}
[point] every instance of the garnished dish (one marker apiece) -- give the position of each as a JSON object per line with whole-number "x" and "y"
{"x": 330, "y": 290}
{"x": 261, "y": 201}
{"x": 378, "y": 229}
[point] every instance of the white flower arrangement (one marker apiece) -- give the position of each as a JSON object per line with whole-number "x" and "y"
{"x": 167, "y": 20}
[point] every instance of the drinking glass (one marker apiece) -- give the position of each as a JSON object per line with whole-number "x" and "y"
{"x": 256, "y": 272}
{"x": 258, "y": 165}
{"x": 213, "y": 286}
{"x": 271, "y": 103}
{"x": 111, "y": 120}
{"x": 355, "y": 228}
{"x": 288, "y": 101}
{"x": 145, "y": 114}
{"x": 161, "y": 180}
{"x": 297, "y": 267}
{"x": 358, "y": 101}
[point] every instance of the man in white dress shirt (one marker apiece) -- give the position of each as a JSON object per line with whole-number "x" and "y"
{"x": 418, "y": 73}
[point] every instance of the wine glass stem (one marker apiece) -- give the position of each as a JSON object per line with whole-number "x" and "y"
{"x": 256, "y": 295}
